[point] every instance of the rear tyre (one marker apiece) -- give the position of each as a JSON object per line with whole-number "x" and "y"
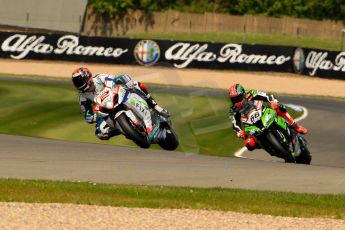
{"x": 304, "y": 157}
{"x": 279, "y": 150}
{"x": 171, "y": 141}
{"x": 131, "y": 132}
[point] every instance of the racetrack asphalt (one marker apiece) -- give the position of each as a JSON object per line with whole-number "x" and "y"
{"x": 37, "y": 158}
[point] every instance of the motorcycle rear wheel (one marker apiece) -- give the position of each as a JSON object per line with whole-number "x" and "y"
{"x": 171, "y": 141}
{"x": 304, "y": 157}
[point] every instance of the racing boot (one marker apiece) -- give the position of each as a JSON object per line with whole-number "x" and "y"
{"x": 297, "y": 127}
{"x": 153, "y": 104}
{"x": 161, "y": 111}
{"x": 104, "y": 131}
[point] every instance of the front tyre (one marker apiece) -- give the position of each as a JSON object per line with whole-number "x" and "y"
{"x": 131, "y": 132}
{"x": 279, "y": 149}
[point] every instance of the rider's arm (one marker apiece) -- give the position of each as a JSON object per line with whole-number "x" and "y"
{"x": 236, "y": 122}
{"x": 129, "y": 82}
{"x": 260, "y": 95}
{"x": 86, "y": 106}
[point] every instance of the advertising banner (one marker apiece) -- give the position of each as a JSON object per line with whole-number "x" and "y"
{"x": 65, "y": 47}
{"x": 177, "y": 54}
{"x": 321, "y": 63}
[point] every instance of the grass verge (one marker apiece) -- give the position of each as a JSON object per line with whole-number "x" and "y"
{"x": 239, "y": 200}
{"x": 247, "y": 38}
{"x": 49, "y": 109}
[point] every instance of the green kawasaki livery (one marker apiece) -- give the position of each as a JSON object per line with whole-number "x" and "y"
{"x": 273, "y": 134}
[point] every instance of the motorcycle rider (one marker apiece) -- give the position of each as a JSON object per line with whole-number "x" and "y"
{"x": 88, "y": 86}
{"x": 238, "y": 96}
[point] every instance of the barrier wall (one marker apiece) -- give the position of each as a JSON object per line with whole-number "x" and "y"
{"x": 68, "y": 16}
{"x": 172, "y": 21}
{"x": 177, "y": 54}
{"x": 58, "y": 15}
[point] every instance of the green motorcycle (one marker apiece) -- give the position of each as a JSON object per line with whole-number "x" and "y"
{"x": 273, "y": 134}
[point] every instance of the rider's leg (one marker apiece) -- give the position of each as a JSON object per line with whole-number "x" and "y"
{"x": 281, "y": 111}
{"x": 104, "y": 131}
{"x": 151, "y": 102}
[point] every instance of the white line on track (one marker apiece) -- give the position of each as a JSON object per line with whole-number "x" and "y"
{"x": 240, "y": 152}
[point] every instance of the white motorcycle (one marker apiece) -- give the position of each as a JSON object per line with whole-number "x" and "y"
{"x": 144, "y": 126}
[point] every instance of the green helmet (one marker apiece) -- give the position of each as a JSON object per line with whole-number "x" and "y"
{"x": 236, "y": 94}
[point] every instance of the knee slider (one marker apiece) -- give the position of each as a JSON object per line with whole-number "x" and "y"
{"x": 250, "y": 143}
{"x": 102, "y": 130}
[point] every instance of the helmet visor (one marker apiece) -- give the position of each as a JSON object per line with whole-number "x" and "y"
{"x": 236, "y": 99}
{"x": 80, "y": 82}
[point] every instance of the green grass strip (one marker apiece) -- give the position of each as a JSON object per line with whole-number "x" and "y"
{"x": 247, "y": 38}
{"x": 239, "y": 200}
{"x": 51, "y": 110}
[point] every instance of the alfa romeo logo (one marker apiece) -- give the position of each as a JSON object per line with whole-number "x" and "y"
{"x": 298, "y": 60}
{"x": 146, "y": 52}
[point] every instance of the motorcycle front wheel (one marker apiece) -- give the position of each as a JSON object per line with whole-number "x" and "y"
{"x": 278, "y": 148}
{"x": 131, "y": 132}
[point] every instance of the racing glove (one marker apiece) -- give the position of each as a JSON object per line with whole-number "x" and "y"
{"x": 274, "y": 105}
{"x": 241, "y": 134}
